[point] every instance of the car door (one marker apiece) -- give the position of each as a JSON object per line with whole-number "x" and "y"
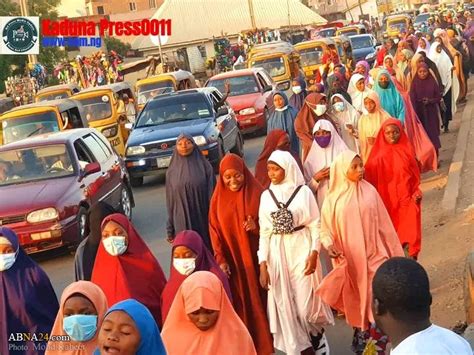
{"x": 226, "y": 123}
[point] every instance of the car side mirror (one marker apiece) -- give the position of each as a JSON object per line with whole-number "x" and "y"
{"x": 90, "y": 169}
{"x": 128, "y": 126}
{"x": 222, "y": 111}
{"x": 267, "y": 88}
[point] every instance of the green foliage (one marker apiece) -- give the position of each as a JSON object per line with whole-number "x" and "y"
{"x": 114, "y": 44}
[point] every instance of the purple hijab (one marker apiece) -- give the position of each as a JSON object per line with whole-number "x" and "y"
{"x": 204, "y": 262}
{"x": 28, "y": 303}
{"x": 367, "y": 69}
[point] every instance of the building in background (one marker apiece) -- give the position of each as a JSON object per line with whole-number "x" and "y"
{"x": 345, "y": 9}
{"x": 110, "y": 7}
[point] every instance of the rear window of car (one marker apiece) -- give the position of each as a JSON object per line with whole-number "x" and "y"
{"x": 239, "y": 85}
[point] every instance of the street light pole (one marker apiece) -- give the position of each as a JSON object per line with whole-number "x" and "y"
{"x": 24, "y": 12}
{"x": 252, "y": 15}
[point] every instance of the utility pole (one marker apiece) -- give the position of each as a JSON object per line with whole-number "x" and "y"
{"x": 252, "y": 15}
{"x": 24, "y": 12}
{"x": 350, "y": 12}
{"x": 360, "y": 7}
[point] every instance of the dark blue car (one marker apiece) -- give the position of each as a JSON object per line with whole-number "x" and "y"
{"x": 195, "y": 112}
{"x": 364, "y": 47}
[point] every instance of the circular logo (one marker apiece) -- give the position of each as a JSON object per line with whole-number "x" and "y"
{"x": 164, "y": 146}
{"x": 20, "y": 35}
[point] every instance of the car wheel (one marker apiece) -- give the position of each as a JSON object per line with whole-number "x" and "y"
{"x": 82, "y": 224}
{"x": 136, "y": 181}
{"x": 263, "y": 131}
{"x": 126, "y": 202}
{"x": 239, "y": 146}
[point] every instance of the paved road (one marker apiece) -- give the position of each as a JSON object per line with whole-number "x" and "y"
{"x": 149, "y": 217}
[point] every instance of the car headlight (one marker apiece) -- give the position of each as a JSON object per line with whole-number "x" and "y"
{"x": 136, "y": 150}
{"x": 283, "y": 86}
{"x": 200, "y": 140}
{"x": 247, "y": 111}
{"x": 110, "y": 132}
{"x": 370, "y": 55}
{"x": 46, "y": 214}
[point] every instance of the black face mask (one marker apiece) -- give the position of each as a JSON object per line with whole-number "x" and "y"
{"x": 383, "y": 84}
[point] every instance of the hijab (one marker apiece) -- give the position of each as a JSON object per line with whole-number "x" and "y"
{"x": 426, "y": 49}
{"x": 150, "y": 339}
{"x": 87, "y": 249}
{"x": 128, "y": 275}
{"x": 444, "y": 65}
{"x": 97, "y": 297}
{"x": 331, "y": 91}
{"x": 285, "y": 119}
{"x": 297, "y": 100}
{"x": 390, "y": 98}
{"x": 293, "y": 175}
{"x": 367, "y": 69}
{"x": 28, "y": 303}
{"x": 349, "y": 116}
{"x": 204, "y": 262}
{"x": 356, "y": 95}
{"x": 229, "y": 335}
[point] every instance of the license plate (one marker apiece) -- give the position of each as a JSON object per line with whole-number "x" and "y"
{"x": 247, "y": 121}
{"x": 163, "y": 162}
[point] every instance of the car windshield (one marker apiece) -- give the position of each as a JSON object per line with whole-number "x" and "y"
{"x": 422, "y": 18}
{"x": 274, "y": 66}
{"x": 96, "y": 108}
{"x": 21, "y": 127}
{"x": 361, "y": 42}
{"x": 311, "y": 56}
{"x": 147, "y": 91}
{"x": 239, "y": 85}
{"x": 330, "y": 32}
{"x": 174, "y": 108}
{"x": 34, "y": 163}
{"x": 349, "y": 32}
{"x": 53, "y": 96}
{"x": 397, "y": 24}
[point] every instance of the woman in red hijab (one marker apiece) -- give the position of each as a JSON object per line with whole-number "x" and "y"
{"x": 393, "y": 170}
{"x": 125, "y": 268}
{"x": 234, "y": 235}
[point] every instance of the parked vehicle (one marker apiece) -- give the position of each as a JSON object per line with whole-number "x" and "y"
{"x": 57, "y": 92}
{"x": 327, "y": 32}
{"x": 251, "y": 96}
{"x": 311, "y": 53}
{"x": 51, "y": 182}
{"x": 422, "y": 20}
{"x": 396, "y": 23}
{"x": 165, "y": 117}
{"x": 351, "y": 30}
{"x": 364, "y": 48}
{"x": 41, "y": 117}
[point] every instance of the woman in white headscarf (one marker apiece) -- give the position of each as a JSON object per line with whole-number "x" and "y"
{"x": 358, "y": 91}
{"x": 288, "y": 258}
{"x": 347, "y": 118}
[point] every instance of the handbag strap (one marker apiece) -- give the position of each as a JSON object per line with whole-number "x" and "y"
{"x": 293, "y": 195}
{"x": 279, "y": 204}
{"x": 285, "y": 205}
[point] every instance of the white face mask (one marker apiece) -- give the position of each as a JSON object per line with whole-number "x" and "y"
{"x": 296, "y": 89}
{"x": 281, "y": 109}
{"x": 338, "y": 106}
{"x": 115, "y": 245}
{"x": 7, "y": 261}
{"x": 184, "y": 266}
{"x": 320, "y": 110}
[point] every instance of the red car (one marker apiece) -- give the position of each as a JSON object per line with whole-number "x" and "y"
{"x": 250, "y": 97}
{"x": 48, "y": 183}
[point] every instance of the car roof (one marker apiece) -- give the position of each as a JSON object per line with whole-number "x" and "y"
{"x": 58, "y": 87}
{"x": 361, "y": 35}
{"x": 48, "y": 139}
{"x": 62, "y": 104}
{"x": 114, "y": 87}
{"x": 234, "y": 73}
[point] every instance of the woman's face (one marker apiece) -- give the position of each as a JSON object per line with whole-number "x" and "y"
{"x": 422, "y": 73}
{"x": 112, "y": 228}
{"x": 275, "y": 173}
{"x": 360, "y": 69}
{"x": 384, "y": 81}
{"x": 233, "y": 179}
{"x": 184, "y": 147}
{"x": 336, "y": 99}
{"x": 6, "y": 249}
{"x": 118, "y": 335}
{"x": 323, "y": 101}
{"x": 439, "y": 40}
{"x": 78, "y": 304}
{"x": 204, "y": 319}
{"x": 284, "y": 142}
{"x": 183, "y": 252}
{"x": 392, "y": 134}
{"x": 360, "y": 85}
{"x": 322, "y": 133}
{"x": 278, "y": 101}
{"x": 422, "y": 43}
{"x": 355, "y": 172}
{"x": 369, "y": 105}
{"x": 389, "y": 62}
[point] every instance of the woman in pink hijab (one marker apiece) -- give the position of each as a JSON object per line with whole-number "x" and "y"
{"x": 358, "y": 233}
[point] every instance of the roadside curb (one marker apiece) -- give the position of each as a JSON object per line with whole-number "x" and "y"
{"x": 451, "y": 192}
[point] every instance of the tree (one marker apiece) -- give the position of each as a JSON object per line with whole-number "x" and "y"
{"x": 114, "y": 44}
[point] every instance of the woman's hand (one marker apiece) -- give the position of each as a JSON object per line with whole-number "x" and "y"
{"x": 311, "y": 263}
{"x": 333, "y": 252}
{"x": 225, "y": 268}
{"x": 264, "y": 276}
{"x": 250, "y": 224}
{"x": 321, "y": 174}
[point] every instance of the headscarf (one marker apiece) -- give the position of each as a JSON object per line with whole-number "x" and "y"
{"x": 150, "y": 338}
{"x": 270, "y": 145}
{"x": 293, "y": 175}
{"x": 355, "y": 221}
{"x": 306, "y": 120}
{"x": 87, "y": 249}
{"x": 349, "y": 116}
{"x": 356, "y": 95}
{"x": 97, "y": 297}
{"x": 190, "y": 181}
{"x": 403, "y": 65}
{"x": 204, "y": 290}
{"x": 28, "y": 303}
{"x": 204, "y": 262}
{"x": 285, "y": 119}
{"x": 433, "y": 68}
{"x": 390, "y": 98}
{"x": 331, "y": 90}
{"x": 444, "y": 65}
{"x": 128, "y": 275}
{"x": 367, "y": 69}
{"x": 319, "y": 158}
{"x": 427, "y": 48}
{"x": 297, "y": 100}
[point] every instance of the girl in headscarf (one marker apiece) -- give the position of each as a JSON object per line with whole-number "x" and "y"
{"x": 425, "y": 96}
{"x": 202, "y": 320}
{"x": 81, "y": 312}
{"x": 141, "y": 335}
{"x": 314, "y": 109}
{"x": 433, "y": 68}
{"x": 233, "y": 223}
{"x": 28, "y": 303}
{"x": 403, "y": 62}
{"x": 393, "y": 170}
{"x": 358, "y": 91}
{"x": 370, "y": 124}
{"x": 276, "y": 140}
{"x": 335, "y": 87}
{"x": 363, "y": 68}
{"x": 299, "y": 93}
{"x": 125, "y": 267}
{"x": 86, "y": 251}
{"x": 390, "y": 98}
{"x": 284, "y": 118}
{"x": 188, "y": 255}
{"x": 190, "y": 182}
{"x": 423, "y": 45}
{"x": 358, "y": 233}
{"x": 347, "y": 119}
{"x": 288, "y": 257}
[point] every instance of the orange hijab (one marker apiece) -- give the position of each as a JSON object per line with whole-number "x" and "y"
{"x": 228, "y": 336}
{"x": 94, "y": 294}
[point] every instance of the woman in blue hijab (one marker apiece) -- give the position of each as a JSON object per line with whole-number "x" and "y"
{"x": 390, "y": 98}
{"x": 299, "y": 93}
{"x": 143, "y": 335}
{"x": 28, "y": 303}
{"x": 284, "y": 118}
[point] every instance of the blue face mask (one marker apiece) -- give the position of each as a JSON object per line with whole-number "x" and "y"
{"x": 80, "y": 327}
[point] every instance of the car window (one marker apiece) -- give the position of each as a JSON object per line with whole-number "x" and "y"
{"x": 105, "y": 147}
{"x": 22, "y": 127}
{"x": 362, "y": 42}
{"x": 239, "y": 85}
{"x": 267, "y": 77}
{"x": 97, "y": 107}
{"x": 83, "y": 153}
{"x": 95, "y": 148}
{"x": 261, "y": 80}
